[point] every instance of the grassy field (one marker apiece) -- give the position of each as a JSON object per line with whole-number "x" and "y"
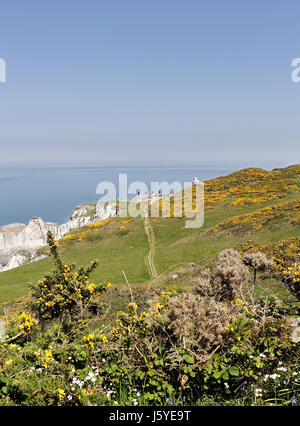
{"x": 116, "y": 249}
{"x": 122, "y": 245}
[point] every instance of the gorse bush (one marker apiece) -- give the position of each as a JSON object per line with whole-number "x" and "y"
{"x": 245, "y": 187}
{"x": 203, "y": 347}
{"x": 230, "y": 274}
{"x": 259, "y": 262}
{"x": 291, "y": 277}
{"x": 228, "y": 280}
{"x": 254, "y": 221}
{"x": 67, "y": 293}
{"x": 199, "y": 325}
{"x": 281, "y": 259}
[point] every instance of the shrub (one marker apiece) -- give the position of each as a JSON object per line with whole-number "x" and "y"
{"x": 259, "y": 262}
{"x": 291, "y": 278}
{"x": 226, "y": 283}
{"x": 67, "y": 293}
{"x": 185, "y": 349}
{"x": 199, "y": 325}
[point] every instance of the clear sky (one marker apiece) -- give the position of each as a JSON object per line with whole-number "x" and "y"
{"x": 109, "y": 82}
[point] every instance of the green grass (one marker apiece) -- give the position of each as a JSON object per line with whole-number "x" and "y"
{"x": 116, "y": 250}
{"x": 127, "y": 249}
{"x": 175, "y": 243}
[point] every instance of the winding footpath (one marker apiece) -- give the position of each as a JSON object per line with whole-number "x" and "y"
{"x": 151, "y": 239}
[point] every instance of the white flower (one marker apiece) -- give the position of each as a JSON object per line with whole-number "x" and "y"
{"x": 274, "y": 376}
{"x": 69, "y": 397}
{"x": 258, "y": 392}
{"x": 77, "y": 382}
{"x": 262, "y": 355}
{"x": 91, "y": 376}
{"x": 281, "y": 369}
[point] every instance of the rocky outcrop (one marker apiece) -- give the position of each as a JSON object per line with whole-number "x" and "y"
{"x": 21, "y": 258}
{"x": 19, "y": 243}
{"x": 105, "y": 211}
{"x": 34, "y": 235}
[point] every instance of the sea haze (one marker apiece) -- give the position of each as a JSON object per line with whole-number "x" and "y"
{"x": 52, "y": 193}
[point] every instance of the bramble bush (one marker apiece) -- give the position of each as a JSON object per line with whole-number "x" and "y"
{"x": 202, "y": 347}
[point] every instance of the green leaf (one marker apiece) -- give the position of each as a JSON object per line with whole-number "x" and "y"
{"x": 225, "y": 375}
{"x": 234, "y": 371}
{"x": 189, "y": 359}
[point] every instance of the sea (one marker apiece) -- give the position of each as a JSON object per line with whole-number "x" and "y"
{"x": 53, "y": 193}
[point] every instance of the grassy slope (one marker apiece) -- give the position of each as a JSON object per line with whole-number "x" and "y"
{"x": 116, "y": 248}
{"x": 127, "y": 249}
{"x": 174, "y": 243}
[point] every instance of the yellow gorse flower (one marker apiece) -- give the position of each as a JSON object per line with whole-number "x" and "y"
{"x": 61, "y": 393}
{"x": 26, "y": 323}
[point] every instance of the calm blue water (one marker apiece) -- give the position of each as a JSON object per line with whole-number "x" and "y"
{"x": 54, "y": 192}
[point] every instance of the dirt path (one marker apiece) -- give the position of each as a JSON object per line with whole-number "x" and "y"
{"x": 151, "y": 239}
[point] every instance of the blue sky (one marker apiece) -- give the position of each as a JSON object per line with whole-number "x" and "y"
{"x": 132, "y": 82}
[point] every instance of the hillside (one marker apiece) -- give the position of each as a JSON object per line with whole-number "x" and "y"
{"x": 251, "y": 204}
{"x": 170, "y": 316}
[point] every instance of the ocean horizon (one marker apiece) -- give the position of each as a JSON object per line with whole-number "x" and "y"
{"x": 52, "y": 193}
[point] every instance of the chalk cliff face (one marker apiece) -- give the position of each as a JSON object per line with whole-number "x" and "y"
{"x": 19, "y": 243}
{"x": 105, "y": 212}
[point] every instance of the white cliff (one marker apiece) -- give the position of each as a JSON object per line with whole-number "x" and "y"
{"x": 19, "y": 243}
{"x": 105, "y": 212}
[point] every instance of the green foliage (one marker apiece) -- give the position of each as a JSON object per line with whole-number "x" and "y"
{"x": 61, "y": 351}
{"x": 67, "y": 292}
